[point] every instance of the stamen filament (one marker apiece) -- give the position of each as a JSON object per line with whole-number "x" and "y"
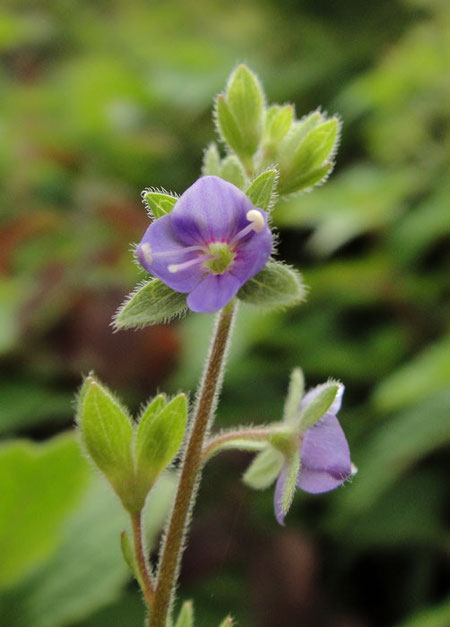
{"x": 176, "y": 267}
{"x": 257, "y": 224}
{"x": 149, "y": 255}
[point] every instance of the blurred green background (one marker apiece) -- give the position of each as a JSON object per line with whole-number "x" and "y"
{"x": 102, "y": 98}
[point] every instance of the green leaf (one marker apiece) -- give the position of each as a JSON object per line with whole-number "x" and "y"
{"x": 128, "y": 553}
{"x": 294, "y": 396}
{"x": 158, "y": 438}
{"x": 186, "y": 616}
{"x": 320, "y": 404}
{"x": 264, "y": 469}
{"x": 211, "y": 161}
{"x": 233, "y": 172}
{"x": 227, "y": 126}
{"x": 107, "y": 434}
{"x": 424, "y": 375}
{"x": 262, "y": 189}
{"x": 159, "y": 204}
{"x": 40, "y": 484}
{"x": 310, "y": 163}
{"x": 151, "y": 303}
{"x": 299, "y": 130}
{"x": 290, "y": 483}
{"x": 87, "y": 571}
{"x": 245, "y": 98}
{"x": 276, "y": 286}
{"x": 278, "y": 123}
{"x": 437, "y": 616}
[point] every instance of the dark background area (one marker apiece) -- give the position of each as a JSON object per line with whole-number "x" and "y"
{"x": 100, "y": 99}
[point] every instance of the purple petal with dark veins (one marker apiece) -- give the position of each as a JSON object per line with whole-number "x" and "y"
{"x": 278, "y": 497}
{"x": 213, "y": 293}
{"x": 161, "y": 239}
{"x": 325, "y": 457}
{"x": 210, "y": 210}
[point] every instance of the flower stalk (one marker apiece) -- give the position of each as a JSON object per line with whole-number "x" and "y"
{"x": 191, "y": 469}
{"x": 145, "y": 578}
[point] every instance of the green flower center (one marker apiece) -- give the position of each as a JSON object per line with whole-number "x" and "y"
{"x": 223, "y": 257}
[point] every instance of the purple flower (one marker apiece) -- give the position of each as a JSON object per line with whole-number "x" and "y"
{"x": 324, "y": 454}
{"x": 209, "y": 245}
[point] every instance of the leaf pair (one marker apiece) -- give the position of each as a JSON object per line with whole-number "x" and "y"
{"x": 131, "y": 457}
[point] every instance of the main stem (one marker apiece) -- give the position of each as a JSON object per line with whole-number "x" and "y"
{"x": 191, "y": 470}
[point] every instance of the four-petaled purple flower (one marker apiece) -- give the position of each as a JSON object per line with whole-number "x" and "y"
{"x": 324, "y": 454}
{"x": 209, "y": 245}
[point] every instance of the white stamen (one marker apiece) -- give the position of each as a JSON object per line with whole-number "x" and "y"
{"x": 256, "y": 218}
{"x": 257, "y": 224}
{"x": 147, "y": 253}
{"x": 176, "y": 267}
{"x": 354, "y": 469}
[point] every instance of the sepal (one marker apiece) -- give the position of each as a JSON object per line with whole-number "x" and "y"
{"x": 262, "y": 190}
{"x": 264, "y": 469}
{"x": 158, "y": 203}
{"x": 232, "y": 171}
{"x": 286, "y": 485}
{"x": 211, "y": 161}
{"x": 152, "y": 302}
{"x": 320, "y": 404}
{"x": 294, "y": 396}
{"x": 276, "y": 286}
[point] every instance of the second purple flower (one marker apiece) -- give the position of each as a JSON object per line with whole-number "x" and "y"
{"x": 212, "y": 242}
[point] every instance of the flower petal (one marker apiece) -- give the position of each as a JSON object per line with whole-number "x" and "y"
{"x": 325, "y": 457}
{"x": 252, "y": 254}
{"x": 161, "y": 239}
{"x": 336, "y": 404}
{"x": 213, "y": 293}
{"x": 210, "y": 210}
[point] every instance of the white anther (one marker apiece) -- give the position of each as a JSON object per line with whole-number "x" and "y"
{"x": 147, "y": 252}
{"x": 353, "y": 469}
{"x": 173, "y": 267}
{"x": 256, "y": 218}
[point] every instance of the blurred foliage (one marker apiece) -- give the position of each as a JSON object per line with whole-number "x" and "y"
{"x": 101, "y": 99}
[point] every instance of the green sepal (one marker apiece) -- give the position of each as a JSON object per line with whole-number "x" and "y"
{"x": 311, "y": 162}
{"x": 227, "y": 622}
{"x": 107, "y": 434}
{"x": 278, "y": 123}
{"x": 294, "y": 396}
{"x": 264, "y": 469}
{"x": 276, "y": 286}
{"x": 159, "y": 204}
{"x": 320, "y": 404}
{"x": 128, "y": 554}
{"x": 152, "y": 302}
{"x": 232, "y": 171}
{"x": 158, "y": 438}
{"x": 245, "y": 98}
{"x": 186, "y": 615}
{"x": 290, "y": 484}
{"x": 211, "y": 161}
{"x": 262, "y": 190}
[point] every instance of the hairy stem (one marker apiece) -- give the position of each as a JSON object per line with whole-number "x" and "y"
{"x": 144, "y": 572}
{"x": 256, "y": 435}
{"x": 191, "y": 470}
